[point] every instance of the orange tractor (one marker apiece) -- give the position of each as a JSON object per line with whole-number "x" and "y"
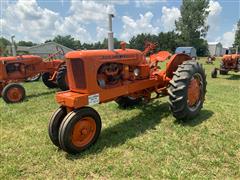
{"x": 126, "y": 77}
{"x": 17, "y": 69}
{"x": 230, "y": 62}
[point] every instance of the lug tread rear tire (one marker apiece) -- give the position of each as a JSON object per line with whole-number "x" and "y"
{"x": 178, "y": 90}
{"x": 47, "y": 82}
{"x": 61, "y": 75}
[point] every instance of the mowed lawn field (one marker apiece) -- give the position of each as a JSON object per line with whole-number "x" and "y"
{"x": 144, "y": 142}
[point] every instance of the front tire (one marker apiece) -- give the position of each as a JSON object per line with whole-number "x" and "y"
{"x": 187, "y": 90}
{"x": 214, "y": 73}
{"x": 79, "y": 130}
{"x": 13, "y": 93}
{"x": 54, "y": 124}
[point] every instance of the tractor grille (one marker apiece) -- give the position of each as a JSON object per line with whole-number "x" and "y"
{"x": 78, "y": 73}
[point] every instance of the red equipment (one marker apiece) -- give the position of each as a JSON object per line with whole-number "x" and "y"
{"x": 125, "y": 76}
{"x": 230, "y": 62}
{"x": 20, "y": 68}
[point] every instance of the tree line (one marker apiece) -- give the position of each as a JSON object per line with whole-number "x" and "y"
{"x": 191, "y": 30}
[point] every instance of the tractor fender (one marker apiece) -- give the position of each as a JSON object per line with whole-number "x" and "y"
{"x": 174, "y": 62}
{"x": 160, "y": 56}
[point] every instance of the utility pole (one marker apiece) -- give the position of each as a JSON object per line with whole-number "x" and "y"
{"x": 13, "y": 46}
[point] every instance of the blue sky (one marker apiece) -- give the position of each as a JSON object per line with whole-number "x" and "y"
{"x": 38, "y": 20}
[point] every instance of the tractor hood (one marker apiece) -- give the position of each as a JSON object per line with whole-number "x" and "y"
{"x": 104, "y": 54}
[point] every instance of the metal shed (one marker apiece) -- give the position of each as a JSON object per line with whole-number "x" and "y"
{"x": 191, "y": 51}
{"x": 215, "y": 48}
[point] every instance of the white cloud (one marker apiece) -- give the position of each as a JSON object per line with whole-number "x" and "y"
{"x": 101, "y": 33}
{"x": 227, "y": 38}
{"x": 68, "y": 26}
{"x": 119, "y": 2}
{"x": 147, "y": 3}
{"x": 85, "y": 11}
{"x": 168, "y": 18}
{"x": 213, "y": 19}
{"x": 133, "y": 27}
{"x": 28, "y": 21}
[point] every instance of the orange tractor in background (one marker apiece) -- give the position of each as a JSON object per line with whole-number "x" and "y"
{"x": 17, "y": 69}
{"x": 126, "y": 77}
{"x": 229, "y": 62}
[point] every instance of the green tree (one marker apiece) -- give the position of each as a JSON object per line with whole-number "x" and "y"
{"x": 116, "y": 43}
{"x": 67, "y": 41}
{"x": 237, "y": 36}
{"x": 192, "y": 24}
{"x": 138, "y": 42}
{"x": 3, "y": 46}
{"x": 165, "y": 41}
{"x": 26, "y": 43}
{"x": 168, "y": 41}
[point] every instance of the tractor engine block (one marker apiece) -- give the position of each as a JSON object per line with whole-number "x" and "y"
{"x": 109, "y": 74}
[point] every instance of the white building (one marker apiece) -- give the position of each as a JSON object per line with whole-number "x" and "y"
{"x": 215, "y": 48}
{"x": 225, "y": 50}
{"x": 43, "y": 50}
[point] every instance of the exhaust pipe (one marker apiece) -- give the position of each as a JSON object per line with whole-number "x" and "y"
{"x": 13, "y": 46}
{"x": 110, "y": 33}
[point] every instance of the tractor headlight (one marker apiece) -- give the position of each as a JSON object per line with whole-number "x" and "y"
{"x": 136, "y": 72}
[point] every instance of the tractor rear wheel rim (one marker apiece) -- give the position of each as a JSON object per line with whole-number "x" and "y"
{"x": 195, "y": 91}
{"x": 83, "y": 132}
{"x": 14, "y": 94}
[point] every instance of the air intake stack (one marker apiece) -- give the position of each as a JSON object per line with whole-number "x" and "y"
{"x": 110, "y": 33}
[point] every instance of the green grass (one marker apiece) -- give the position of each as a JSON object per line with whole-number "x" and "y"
{"x": 142, "y": 142}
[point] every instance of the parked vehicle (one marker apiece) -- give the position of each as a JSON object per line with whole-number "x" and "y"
{"x": 191, "y": 51}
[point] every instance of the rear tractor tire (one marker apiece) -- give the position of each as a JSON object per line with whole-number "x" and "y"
{"x": 79, "y": 130}
{"x": 61, "y": 79}
{"x": 187, "y": 90}
{"x": 13, "y": 93}
{"x": 46, "y": 80}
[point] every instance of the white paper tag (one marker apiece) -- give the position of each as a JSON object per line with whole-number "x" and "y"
{"x": 93, "y": 99}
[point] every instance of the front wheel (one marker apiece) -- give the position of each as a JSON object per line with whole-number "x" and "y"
{"x": 79, "y": 130}
{"x": 54, "y": 124}
{"x": 187, "y": 90}
{"x": 214, "y": 73}
{"x": 13, "y": 93}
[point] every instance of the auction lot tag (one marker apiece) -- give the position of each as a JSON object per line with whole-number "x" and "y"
{"x": 93, "y": 99}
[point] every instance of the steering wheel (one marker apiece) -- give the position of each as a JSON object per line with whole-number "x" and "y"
{"x": 60, "y": 50}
